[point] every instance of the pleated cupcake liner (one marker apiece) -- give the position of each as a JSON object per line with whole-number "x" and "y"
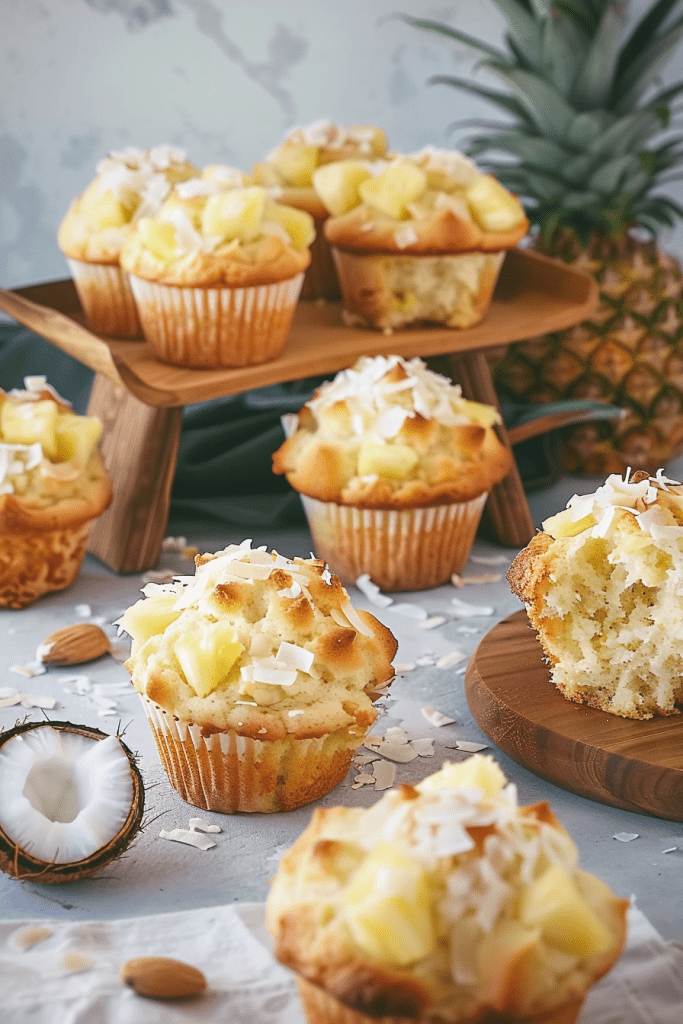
{"x": 227, "y": 772}
{"x": 216, "y": 326}
{"x": 107, "y": 299}
{"x": 406, "y": 549}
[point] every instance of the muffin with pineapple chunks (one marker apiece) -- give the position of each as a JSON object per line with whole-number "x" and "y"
{"x": 217, "y": 272}
{"x": 288, "y": 171}
{"x": 420, "y": 239}
{"x": 602, "y": 586}
{"x": 444, "y": 903}
{"x": 257, "y": 676}
{"x": 130, "y": 184}
{"x": 394, "y": 467}
{"x": 52, "y": 485}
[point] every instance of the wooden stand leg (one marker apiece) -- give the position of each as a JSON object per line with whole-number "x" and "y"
{"x": 507, "y": 508}
{"x": 140, "y": 450}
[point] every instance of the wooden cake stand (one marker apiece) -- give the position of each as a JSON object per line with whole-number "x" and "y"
{"x": 140, "y": 399}
{"x": 624, "y": 762}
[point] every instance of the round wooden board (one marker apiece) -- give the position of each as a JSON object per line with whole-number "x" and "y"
{"x": 633, "y": 764}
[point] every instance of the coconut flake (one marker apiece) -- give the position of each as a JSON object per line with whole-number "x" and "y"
{"x": 468, "y": 746}
{"x": 432, "y": 622}
{"x": 9, "y": 702}
{"x": 465, "y": 610}
{"x": 451, "y": 659}
{"x": 354, "y": 618}
{"x": 76, "y": 963}
{"x": 486, "y": 577}
{"x": 436, "y": 718}
{"x": 198, "y": 825}
{"x": 490, "y": 559}
{"x": 404, "y": 666}
{"x": 626, "y": 837}
{"x": 29, "y": 936}
{"x": 401, "y": 752}
{"x": 424, "y": 746}
{"x": 426, "y": 660}
{"x": 30, "y": 701}
{"x": 189, "y": 837}
{"x": 291, "y": 656}
{"x": 384, "y": 774}
{"x": 411, "y": 611}
{"x": 83, "y": 610}
{"x": 372, "y": 591}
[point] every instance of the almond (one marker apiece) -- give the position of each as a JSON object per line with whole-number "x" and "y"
{"x": 73, "y": 645}
{"x": 159, "y": 977}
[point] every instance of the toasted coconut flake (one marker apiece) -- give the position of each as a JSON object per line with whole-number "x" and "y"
{"x": 385, "y": 775}
{"x": 354, "y": 618}
{"x": 435, "y": 717}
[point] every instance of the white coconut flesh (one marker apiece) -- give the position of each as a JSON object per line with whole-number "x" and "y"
{"x": 63, "y": 796}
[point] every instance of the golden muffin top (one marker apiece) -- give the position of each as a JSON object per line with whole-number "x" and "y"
{"x": 444, "y": 901}
{"x": 391, "y": 433}
{"x": 259, "y": 643}
{"x": 130, "y": 184}
{"x": 433, "y": 202}
{"x": 48, "y": 455}
{"x": 217, "y": 229}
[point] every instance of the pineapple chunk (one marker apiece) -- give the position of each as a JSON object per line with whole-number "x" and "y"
{"x": 237, "y": 213}
{"x": 28, "y": 422}
{"x": 298, "y": 224}
{"x": 388, "y": 908}
{"x": 500, "y": 957}
{"x": 296, "y": 163}
{"x": 206, "y": 658}
{"x": 337, "y": 184}
{"x": 159, "y": 236}
{"x": 484, "y": 415}
{"x": 562, "y": 525}
{"x": 76, "y": 436}
{"x": 103, "y": 209}
{"x": 393, "y": 461}
{"x": 374, "y": 136}
{"x": 391, "y": 191}
{"x": 554, "y": 904}
{"x": 493, "y": 207}
{"x": 148, "y": 617}
{"x": 477, "y": 772}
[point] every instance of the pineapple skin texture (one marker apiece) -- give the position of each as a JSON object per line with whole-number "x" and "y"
{"x": 367, "y": 920}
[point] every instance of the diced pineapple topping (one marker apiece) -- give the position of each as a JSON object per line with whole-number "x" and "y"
{"x": 76, "y": 436}
{"x": 394, "y": 461}
{"x": 206, "y": 658}
{"x": 391, "y": 191}
{"x": 296, "y": 163}
{"x": 494, "y": 208}
{"x": 160, "y": 238}
{"x": 103, "y": 209}
{"x": 484, "y": 415}
{"x": 28, "y": 422}
{"x": 149, "y": 617}
{"x": 477, "y": 772}
{"x": 388, "y": 908}
{"x": 337, "y": 184}
{"x": 554, "y": 904}
{"x": 298, "y": 224}
{"x": 562, "y": 524}
{"x": 236, "y": 213}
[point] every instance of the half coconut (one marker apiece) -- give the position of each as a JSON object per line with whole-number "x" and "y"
{"x": 71, "y": 800}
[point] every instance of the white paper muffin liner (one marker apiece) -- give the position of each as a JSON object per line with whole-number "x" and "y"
{"x": 407, "y": 549}
{"x": 106, "y": 298}
{"x": 213, "y": 327}
{"x": 227, "y": 772}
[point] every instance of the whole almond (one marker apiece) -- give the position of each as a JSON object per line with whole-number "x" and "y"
{"x": 159, "y": 977}
{"x": 73, "y": 645}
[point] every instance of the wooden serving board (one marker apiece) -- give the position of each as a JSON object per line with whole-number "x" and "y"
{"x": 534, "y": 295}
{"x": 637, "y": 765}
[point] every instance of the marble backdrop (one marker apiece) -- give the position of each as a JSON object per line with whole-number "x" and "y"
{"x": 221, "y": 78}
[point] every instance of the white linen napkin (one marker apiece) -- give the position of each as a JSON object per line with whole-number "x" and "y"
{"x": 245, "y": 985}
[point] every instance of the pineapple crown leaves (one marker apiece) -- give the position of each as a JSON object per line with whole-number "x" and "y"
{"x": 588, "y": 136}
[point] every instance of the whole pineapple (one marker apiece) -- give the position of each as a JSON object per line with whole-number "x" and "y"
{"x": 589, "y": 134}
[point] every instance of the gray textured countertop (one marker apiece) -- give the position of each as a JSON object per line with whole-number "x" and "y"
{"x": 156, "y": 876}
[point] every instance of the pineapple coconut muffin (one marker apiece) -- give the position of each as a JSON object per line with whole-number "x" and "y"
{"x": 130, "y": 184}
{"x": 417, "y": 239}
{"x": 52, "y": 485}
{"x": 602, "y": 586}
{"x": 257, "y": 676}
{"x": 217, "y": 272}
{"x": 289, "y": 171}
{"x": 444, "y": 903}
{"x": 394, "y": 467}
